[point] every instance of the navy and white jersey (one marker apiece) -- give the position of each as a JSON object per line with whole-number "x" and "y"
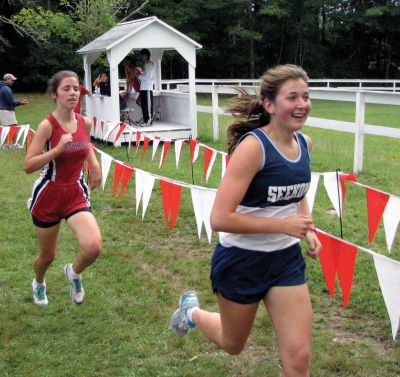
{"x": 275, "y": 192}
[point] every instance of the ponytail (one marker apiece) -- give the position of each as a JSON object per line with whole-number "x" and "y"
{"x": 250, "y": 109}
{"x": 251, "y": 112}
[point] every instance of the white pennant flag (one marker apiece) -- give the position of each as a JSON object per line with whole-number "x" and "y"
{"x": 156, "y": 141}
{"x": 4, "y": 134}
{"x": 24, "y": 134}
{"x": 178, "y": 149}
{"x": 203, "y": 201}
{"x": 331, "y": 187}
{"x": 105, "y": 167}
{"x": 388, "y": 271}
{"x": 112, "y": 130}
{"x": 144, "y": 186}
{"x": 391, "y": 218}
{"x": 19, "y": 134}
{"x": 312, "y": 190}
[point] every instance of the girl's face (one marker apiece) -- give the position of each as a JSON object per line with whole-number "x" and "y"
{"x": 67, "y": 94}
{"x": 291, "y": 105}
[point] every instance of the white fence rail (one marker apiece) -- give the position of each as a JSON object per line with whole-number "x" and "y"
{"x": 357, "y": 96}
{"x": 367, "y": 84}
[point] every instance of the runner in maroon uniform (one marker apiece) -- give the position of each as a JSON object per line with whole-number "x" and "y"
{"x": 60, "y": 148}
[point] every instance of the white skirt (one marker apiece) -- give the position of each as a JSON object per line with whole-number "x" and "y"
{"x": 7, "y": 118}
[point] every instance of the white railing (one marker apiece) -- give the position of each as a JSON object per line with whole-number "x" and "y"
{"x": 358, "y": 127}
{"x": 367, "y": 84}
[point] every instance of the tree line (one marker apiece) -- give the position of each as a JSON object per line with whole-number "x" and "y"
{"x": 240, "y": 38}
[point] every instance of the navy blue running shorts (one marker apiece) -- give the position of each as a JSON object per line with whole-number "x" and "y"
{"x": 245, "y": 276}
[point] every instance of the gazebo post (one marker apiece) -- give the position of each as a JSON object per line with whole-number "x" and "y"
{"x": 192, "y": 100}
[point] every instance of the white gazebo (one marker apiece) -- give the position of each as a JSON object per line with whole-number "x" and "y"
{"x": 176, "y": 111}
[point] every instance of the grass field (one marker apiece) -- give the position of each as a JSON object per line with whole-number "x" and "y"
{"x": 122, "y": 329}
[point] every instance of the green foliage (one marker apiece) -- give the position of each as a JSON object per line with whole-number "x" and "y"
{"x": 45, "y": 26}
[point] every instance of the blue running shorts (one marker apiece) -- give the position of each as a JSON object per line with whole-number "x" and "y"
{"x": 245, "y": 276}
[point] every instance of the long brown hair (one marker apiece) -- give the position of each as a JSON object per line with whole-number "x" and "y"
{"x": 249, "y": 109}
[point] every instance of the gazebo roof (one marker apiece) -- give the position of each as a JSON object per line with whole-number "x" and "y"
{"x": 126, "y": 30}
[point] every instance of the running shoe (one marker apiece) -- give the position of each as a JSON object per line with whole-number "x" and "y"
{"x": 76, "y": 291}
{"x": 180, "y": 324}
{"x": 39, "y": 293}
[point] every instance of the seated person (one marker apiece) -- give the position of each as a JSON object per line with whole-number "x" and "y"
{"x": 102, "y": 84}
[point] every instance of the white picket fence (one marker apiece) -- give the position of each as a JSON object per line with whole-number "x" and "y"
{"x": 359, "y": 97}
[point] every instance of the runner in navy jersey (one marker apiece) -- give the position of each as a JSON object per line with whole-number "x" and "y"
{"x": 262, "y": 213}
{"x": 59, "y": 149}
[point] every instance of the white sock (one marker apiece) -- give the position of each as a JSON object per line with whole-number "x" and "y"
{"x": 36, "y": 283}
{"x": 73, "y": 274}
{"x": 189, "y": 313}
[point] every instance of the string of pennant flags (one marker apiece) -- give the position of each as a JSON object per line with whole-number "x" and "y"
{"x": 338, "y": 257}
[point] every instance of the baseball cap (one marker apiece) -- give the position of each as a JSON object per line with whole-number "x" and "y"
{"x": 8, "y": 76}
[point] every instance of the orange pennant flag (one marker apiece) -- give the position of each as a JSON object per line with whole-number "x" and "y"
{"x": 376, "y": 204}
{"x": 337, "y": 257}
{"x": 122, "y": 127}
{"x": 126, "y": 176}
{"x": 343, "y": 178}
{"x": 13, "y": 131}
{"x": 167, "y": 144}
{"x": 171, "y": 196}
{"x": 145, "y": 146}
{"x": 119, "y": 169}
{"x": 208, "y": 154}
{"x": 193, "y": 144}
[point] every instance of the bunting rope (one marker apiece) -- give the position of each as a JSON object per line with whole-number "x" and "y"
{"x": 338, "y": 257}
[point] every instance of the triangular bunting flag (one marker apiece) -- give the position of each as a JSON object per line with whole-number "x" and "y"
{"x": 171, "y": 196}
{"x": 156, "y": 141}
{"x": 203, "y": 201}
{"x": 119, "y": 169}
{"x": 334, "y": 192}
{"x": 391, "y": 218}
{"x": 194, "y": 150}
{"x": 343, "y": 178}
{"x": 4, "y": 134}
{"x": 225, "y": 161}
{"x": 327, "y": 261}
{"x": 121, "y": 129}
{"x": 209, "y": 159}
{"x": 126, "y": 176}
{"x": 178, "y": 150}
{"x": 312, "y": 190}
{"x": 337, "y": 257}
{"x": 11, "y": 134}
{"x": 138, "y": 136}
{"x": 376, "y": 203}
{"x": 345, "y": 263}
{"x": 105, "y": 167}
{"x": 388, "y": 272}
{"x": 144, "y": 187}
{"x": 166, "y": 145}
{"x": 145, "y": 146}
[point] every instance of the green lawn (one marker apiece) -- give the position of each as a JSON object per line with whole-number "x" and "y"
{"x": 122, "y": 327}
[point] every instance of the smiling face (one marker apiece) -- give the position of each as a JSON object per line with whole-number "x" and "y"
{"x": 67, "y": 93}
{"x": 291, "y": 105}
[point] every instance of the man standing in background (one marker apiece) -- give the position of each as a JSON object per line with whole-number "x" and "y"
{"x": 8, "y": 103}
